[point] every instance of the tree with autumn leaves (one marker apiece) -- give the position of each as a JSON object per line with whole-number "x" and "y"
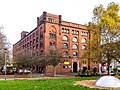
{"x": 105, "y": 34}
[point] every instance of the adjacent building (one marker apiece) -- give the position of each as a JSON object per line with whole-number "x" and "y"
{"x": 52, "y": 31}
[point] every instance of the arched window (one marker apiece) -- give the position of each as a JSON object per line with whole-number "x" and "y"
{"x": 65, "y": 54}
{"x": 75, "y": 54}
{"x": 75, "y": 39}
{"x": 84, "y": 40}
{"x": 65, "y": 45}
{"x": 52, "y": 43}
{"x": 37, "y": 40}
{"x": 75, "y": 46}
{"x": 84, "y": 47}
{"x": 65, "y": 38}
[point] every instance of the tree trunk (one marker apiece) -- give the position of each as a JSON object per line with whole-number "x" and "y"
{"x": 54, "y": 74}
{"x": 108, "y": 69}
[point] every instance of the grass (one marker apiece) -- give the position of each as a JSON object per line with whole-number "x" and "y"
{"x": 45, "y": 84}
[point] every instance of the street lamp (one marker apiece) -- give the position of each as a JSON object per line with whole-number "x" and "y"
{"x": 5, "y": 50}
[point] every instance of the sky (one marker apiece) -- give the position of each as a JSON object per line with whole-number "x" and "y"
{"x": 21, "y": 15}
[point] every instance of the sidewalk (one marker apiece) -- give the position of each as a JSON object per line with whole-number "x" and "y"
{"x": 36, "y": 76}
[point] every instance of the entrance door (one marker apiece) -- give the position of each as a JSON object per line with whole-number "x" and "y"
{"x": 75, "y": 67}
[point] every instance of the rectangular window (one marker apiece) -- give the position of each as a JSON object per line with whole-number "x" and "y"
{"x": 49, "y": 19}
{"x": 41, "y": 36}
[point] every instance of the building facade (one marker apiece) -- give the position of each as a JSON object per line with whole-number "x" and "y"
{"x": 51, "y": 31}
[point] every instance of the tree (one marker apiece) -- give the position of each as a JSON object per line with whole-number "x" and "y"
{"x": 105, "y": 31}
{"x": 24, "y": 59}
{"x": 3, "y": 45}
{"x": 28, "y": 59}
{"x": 53, "y": 57}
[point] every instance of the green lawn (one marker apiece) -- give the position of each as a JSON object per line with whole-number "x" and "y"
{"x": 44, "y": 84}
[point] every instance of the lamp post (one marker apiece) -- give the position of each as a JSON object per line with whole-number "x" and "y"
{"x": 5, "y": 49}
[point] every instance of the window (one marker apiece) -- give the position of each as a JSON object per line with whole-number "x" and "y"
{"x": 52, "y": 43}
{"x": 72, "y": 31}
{"x": 84, "y": 62}
{"x": 37, "y": 46}
{"x": 84, "y": 33}
{"x": 84, "y": 40}
{"x": 65, "y": 45}
{"x": 64, "y": 30}
{"x": 52, "y": 35}
{"x": 23, "y": 46}
{"x": 36, "y": 32}
{"x": 75, "y": 54}
{"x": 74, "y": 39}
{"x": 65, "y": 38}
{"x": 30, "y": 43}
{"x": 74, "y": 46}
{"x": 95, "y": 62}
{"x": 49, "y": 19}
{"x": 41, "y": 36}
{"x": 33, "y": 35}
{"x": 65, "y": 54}
{"x": 67, "y": 31}
{"x": 83, "y": 47}
{"x": 75, "y": 32}
{"x": 41, "y": 45}
{"x": 37, "y": 40}
{"x": 33, "y": 41}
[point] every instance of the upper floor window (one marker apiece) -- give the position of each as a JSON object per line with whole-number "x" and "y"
{"x": 84, "y": 62}
{"x": 37, "y": 46}
{"x": 33, "y": 35}
{"x": 65, "y": 38}
{"x": 33, "y": 41}
{"x": 75, "y": 32}
{"x": 64, "y": 30}
{"x": 41, "y": 36}
{"x": 84, "y": 40}
{"x": 49, "y": 19}
{"x": 36, "y": 39}
{"x": 65, "y": 45}
{"x": 74, "y": 46}
{"x": 30, "y": 43}
{"x": 75, "y": 54}
{"x": 74, "y": 39}
{"x": 36, "y": 32}
{"x": 84, "y": 33}
{"x": 41, "y": 45}
{"x": 52, "y": 43}
{"x": 84, "y": 47}
{"x": 52, "y": 35}
{"x": 65, "y": 54}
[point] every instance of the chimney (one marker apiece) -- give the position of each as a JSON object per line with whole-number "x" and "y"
{"x": 60, "y": 19}
{"x": 23, "y": 34}
{"x": 38, "y": 21}
{"x": 44, "y": 13}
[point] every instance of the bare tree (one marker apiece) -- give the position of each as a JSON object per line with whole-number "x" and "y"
{"x": 53, "y": 57}
{"x": 4, "y": 44}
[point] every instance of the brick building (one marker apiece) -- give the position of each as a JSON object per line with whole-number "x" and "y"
{"x": 51, "y": 30}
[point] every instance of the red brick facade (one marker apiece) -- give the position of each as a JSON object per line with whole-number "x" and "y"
{"x": 70, "y": 37}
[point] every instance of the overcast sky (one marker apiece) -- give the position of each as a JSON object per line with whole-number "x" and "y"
{"x": 21, "y": 15}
